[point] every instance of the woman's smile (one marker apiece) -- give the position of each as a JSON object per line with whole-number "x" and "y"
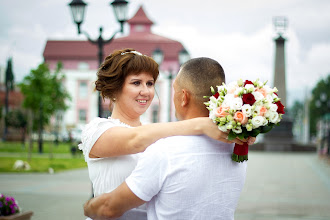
{"x": 142, "y": 101}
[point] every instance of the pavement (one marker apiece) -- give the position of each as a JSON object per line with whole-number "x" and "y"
{"x": 279, "y": 186}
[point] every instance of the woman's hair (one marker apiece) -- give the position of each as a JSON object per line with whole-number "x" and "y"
{"x": 117, "y": 66}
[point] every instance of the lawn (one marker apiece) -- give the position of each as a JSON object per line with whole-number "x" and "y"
{"x": 17, "y": 147}
{"x": 42, "y": 164}
{"x": 57, "y": 157}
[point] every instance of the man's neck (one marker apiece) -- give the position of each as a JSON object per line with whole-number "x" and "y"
{"x": 195, "y": 113}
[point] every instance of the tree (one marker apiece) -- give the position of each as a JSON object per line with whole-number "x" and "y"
{"x": 320, "y": 103}
{"x": 17, "y": 119}
{"x": 9, "y": 85}
{"x": 44, "y": 95}
{"x": 297, "y": 110}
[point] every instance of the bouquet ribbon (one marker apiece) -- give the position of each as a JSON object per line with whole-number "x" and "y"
{"x": 240, "y": 153}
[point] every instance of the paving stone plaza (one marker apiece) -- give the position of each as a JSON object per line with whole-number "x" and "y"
{"x": 279, "y": 186}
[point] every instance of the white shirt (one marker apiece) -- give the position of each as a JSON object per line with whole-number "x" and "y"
{"x": 106, "y": 174}
{"x": 188, "y": 177}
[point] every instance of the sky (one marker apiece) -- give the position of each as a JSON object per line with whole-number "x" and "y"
{"x": 239, "y": 34}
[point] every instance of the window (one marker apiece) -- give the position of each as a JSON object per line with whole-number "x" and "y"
{"x": 139, "y": 28}
{"x": 83, "y": 90}
{"x": 82, "y": 115}
{"x": 83, "y": 66}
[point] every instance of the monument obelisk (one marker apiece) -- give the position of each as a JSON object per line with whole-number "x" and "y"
{"x": 280, "y": 138}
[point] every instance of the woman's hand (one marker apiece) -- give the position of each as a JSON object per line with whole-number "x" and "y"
{"x": 211, "y": 129}
{"x": 251, "y": 140}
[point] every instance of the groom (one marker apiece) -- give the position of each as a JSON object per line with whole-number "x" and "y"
{"x": 181, "y": 177}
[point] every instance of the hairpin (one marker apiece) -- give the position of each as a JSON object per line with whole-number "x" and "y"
{"x": 133, "y": 51}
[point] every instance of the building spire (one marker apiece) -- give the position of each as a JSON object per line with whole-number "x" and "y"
{"x": 140, "y": 22}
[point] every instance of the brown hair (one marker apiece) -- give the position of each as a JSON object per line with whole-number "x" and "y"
{"x": 117, "y": 66}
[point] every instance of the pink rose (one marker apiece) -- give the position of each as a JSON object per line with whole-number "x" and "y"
{"x": 241, "y": 118}
{"x": 262, "y": 110}
{"x": 263, "y": 91}
{"x": 221, "y": 111}
{"x": 231, "y": 90}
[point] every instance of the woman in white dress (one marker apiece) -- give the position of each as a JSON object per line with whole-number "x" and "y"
{"x": 111, "y": 146}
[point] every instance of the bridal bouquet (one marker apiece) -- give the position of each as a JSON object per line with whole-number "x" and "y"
{"x": 244, "y": 109}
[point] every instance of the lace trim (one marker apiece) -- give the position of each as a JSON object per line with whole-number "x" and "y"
{"x": 117, "y": 121}
{"x": 88, "y": 138}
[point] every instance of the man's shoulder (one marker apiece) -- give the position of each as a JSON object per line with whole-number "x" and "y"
{"x": 188, "y": 143}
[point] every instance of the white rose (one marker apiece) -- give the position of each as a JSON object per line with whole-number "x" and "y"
{"x": 273, "y": 107}
{"x": 228, "y": 99}
{"x": 268, "y": 89}
{"x": 257, "y": 121}
{"x": 269, "y": 98}
{"x": 250, "y": 87}
{"x": 223, "y": 128}
{"x": 258, "y": 96}
{"x": 236, "y": 104}
{"x": 246, "y": 109}
{"x": 273, "y": 117}
{"x": 229, "y": 126}
{"x": 239, "y": 90}
{"x": 265, "y": 122}
{"x": 237, "y": 129}
{"x": 212, "y": 115}
{"x": 212, "y": 105}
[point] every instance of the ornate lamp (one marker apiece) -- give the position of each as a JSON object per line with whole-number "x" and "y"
{"x": 78, "y": 13}
{"x": 183, "y": 56}
{"x": 158, "y": 55}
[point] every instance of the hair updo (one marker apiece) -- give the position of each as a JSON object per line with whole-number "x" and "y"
{"x": 117, "y": 66}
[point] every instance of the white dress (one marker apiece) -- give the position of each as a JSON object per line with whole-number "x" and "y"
{"x": 106, "y": 174}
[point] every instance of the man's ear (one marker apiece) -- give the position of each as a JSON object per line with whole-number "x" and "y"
{"x": 185, "y": 98}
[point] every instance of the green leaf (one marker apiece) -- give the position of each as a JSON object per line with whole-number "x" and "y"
{"x": 265, "y": 129}
{"x": 255, "y": 132}
{"x": 231, "y": 135}
{"x": 241, "y": 136}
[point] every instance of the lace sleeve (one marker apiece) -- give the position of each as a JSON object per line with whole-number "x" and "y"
{"x": 92, "y": 131}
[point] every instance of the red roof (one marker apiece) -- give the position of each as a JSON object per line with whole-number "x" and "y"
{"x": 84, "y": 50}
{"x": 140, "y": 18}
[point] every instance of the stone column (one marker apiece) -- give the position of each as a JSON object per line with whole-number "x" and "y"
{"x": 280, "y": 138}
{"x": 279, "y": 71}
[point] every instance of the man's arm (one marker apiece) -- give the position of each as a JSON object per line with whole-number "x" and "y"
{"x": 112, "y": 205}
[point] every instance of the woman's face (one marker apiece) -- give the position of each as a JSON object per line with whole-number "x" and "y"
{"x": 137, "y": 94}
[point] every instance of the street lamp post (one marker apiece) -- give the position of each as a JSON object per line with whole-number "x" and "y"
{"x": 158, "y": 56}
{"x": 78, "y": 13}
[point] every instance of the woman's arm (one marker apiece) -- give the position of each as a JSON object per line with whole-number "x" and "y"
{"x": 119, "y": 141}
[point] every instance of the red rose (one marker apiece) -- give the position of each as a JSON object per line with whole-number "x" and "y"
{"x": 216, "y": 95}
{"x": 248, "y": 99}
{"x": 280, "y": 107}
{"x": 247, "y": 82}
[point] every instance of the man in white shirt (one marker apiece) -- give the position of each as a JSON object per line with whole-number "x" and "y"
{"x": 181, "y": 177}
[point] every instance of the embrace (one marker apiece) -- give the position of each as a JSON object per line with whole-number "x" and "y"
{"x": 181, "y": 170}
